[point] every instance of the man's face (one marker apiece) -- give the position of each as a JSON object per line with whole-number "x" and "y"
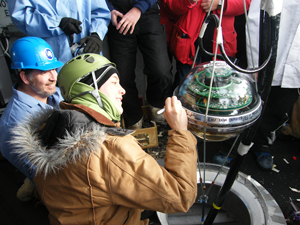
{"x": 114, "y": 91}
{"x": 43, "y": 82}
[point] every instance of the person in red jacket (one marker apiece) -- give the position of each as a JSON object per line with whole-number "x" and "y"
{"x": 183, "y": 21}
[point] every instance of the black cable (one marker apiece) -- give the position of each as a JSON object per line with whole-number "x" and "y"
{"x": 223, "y": 55}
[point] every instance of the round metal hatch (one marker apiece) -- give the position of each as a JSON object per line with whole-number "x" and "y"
{"x": 233, "y": 106}
{"x": 248, "y": 203}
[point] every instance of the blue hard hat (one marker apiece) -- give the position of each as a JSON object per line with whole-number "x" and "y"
{"x": 33, "y": 53}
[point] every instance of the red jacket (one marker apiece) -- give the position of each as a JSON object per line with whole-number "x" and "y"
{"x": 181, "y": 18}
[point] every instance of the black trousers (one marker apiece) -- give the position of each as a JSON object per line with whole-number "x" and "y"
{"x": 150, "y": 37}
{"x": 279, "y": 104}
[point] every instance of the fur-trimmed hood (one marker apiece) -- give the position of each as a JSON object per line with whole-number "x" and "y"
{"x": 51, "y": 139}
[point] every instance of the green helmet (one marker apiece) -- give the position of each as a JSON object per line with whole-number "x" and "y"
{"x": 80, "y": 69}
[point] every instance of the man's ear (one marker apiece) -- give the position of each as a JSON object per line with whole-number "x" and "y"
{"x": 24, "y": 77}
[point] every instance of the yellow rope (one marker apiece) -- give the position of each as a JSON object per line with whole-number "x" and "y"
{"x": 216, "y": 207}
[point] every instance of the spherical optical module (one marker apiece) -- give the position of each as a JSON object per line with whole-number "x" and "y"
{"x": 219, "y": 101}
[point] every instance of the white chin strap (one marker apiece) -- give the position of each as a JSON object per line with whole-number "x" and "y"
{"x": 95, "y": 92}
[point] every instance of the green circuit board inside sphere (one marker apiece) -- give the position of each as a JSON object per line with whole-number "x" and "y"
{"x": 228, "y": 92}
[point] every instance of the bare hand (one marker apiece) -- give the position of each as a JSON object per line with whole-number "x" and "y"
{"x": 175, "y": 114}
{"x": 206, "y": 4}
{"x": 114, "y": 17}
{"x": 129, "y": 21}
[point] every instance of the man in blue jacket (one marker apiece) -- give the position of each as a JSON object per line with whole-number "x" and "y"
{"x": 35, "y": 89}
{"x": 62, "y": 23}
{"x": 136, "y": 24}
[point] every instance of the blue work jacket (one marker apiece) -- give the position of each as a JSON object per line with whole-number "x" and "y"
{"x": 19, "y": 106}
{"x": 42, "y": 19}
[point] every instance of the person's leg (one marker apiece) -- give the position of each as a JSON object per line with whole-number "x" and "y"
{"x": 279, "y": 103}
{"x": 152, "y": 43}
{"x": 123, "y": 50}
{"x": 291, "y": 129}
{"x": 228, "y": 146}
{"x": 27, "y": 191}
{"x": 184, "y": 69}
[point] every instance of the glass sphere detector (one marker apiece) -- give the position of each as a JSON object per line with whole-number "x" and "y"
{"x": 234, "y": 103}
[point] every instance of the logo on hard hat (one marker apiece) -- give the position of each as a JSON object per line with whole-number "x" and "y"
{"x": 49, "y": 53}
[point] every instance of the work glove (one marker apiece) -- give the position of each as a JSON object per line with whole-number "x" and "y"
{"x": 92, "y": 43}
{"x": 70, "y": 25}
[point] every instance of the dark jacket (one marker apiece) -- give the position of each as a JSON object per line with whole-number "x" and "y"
{"x": 124, "y": 6}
